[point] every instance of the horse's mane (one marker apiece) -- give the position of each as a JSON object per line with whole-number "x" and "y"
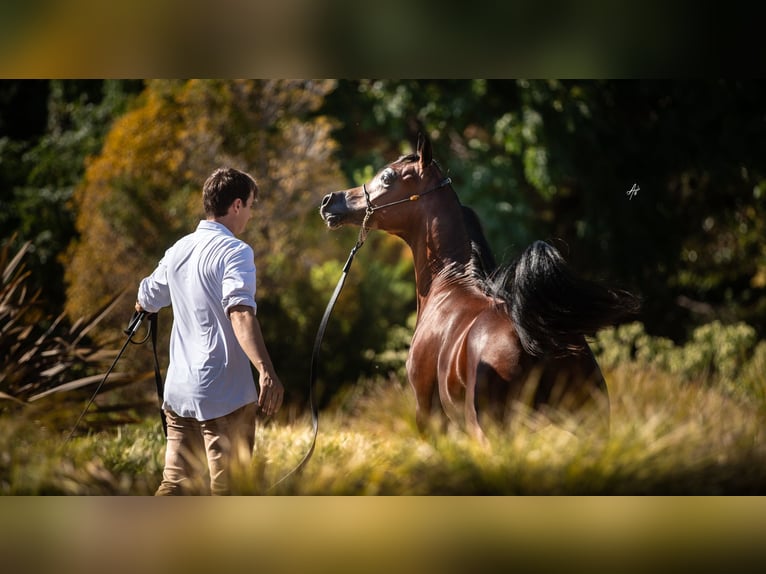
{"x": 482, "y": 267}
{"x": 481, "y": 252}
{"x": 409, "y": 158}
{"x": 552, "y": 308}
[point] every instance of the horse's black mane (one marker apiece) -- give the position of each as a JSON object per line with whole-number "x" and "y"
{"x": 552, "y": 307}
{"x": 482, "y": 269}
{"x": 481, "y": 252}
{"x": 483, "y": 264}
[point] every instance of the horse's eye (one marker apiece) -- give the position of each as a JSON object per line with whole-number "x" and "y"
{"x": 388, "y": 177}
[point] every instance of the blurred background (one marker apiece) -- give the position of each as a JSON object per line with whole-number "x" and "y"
{"x": 99, "y": 177}
{"x": 356, "y": 38}
{"x": 100, "y": 167}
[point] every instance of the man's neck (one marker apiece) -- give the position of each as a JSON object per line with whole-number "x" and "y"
{"x": 225, "y": 221}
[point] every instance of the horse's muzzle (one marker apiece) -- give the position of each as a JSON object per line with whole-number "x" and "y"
{"x": 333, "y": 209}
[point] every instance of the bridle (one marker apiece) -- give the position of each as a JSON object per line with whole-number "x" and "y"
{"x": 373, "y": 208}
{"x": 328, "y": 311}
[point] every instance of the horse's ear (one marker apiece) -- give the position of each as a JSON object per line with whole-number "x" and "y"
{"x": 424, "y": 151}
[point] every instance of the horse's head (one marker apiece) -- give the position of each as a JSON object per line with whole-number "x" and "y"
{"x": 379, "y": 204}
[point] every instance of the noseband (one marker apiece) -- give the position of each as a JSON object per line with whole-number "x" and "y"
{"x": 373, "y": 208}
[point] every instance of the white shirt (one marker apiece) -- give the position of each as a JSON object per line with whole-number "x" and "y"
{"x": 202, "y": 276}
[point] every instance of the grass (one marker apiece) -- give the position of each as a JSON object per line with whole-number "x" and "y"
{"x": 668, "y": 436}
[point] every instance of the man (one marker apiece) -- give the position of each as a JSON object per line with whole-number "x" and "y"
{"x": 210, "y": 398}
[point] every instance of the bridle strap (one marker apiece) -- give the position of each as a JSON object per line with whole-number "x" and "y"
{"x": 373, "y": 208}
{"x": 363, "y": 230}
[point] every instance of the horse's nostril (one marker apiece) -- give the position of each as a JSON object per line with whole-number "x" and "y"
{"x": 327, "y": 199}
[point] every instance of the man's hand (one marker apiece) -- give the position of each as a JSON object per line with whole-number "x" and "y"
{"x": 272, "y": 394}
{"x": 247, "y": 329}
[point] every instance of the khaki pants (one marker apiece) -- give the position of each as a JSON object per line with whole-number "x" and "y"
{"x": 220, "y": 446}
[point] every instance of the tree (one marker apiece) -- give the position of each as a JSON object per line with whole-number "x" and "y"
{"x": 544, "y": 159}
{"x": 143, "y": 191}
{"x": 51, "y": 127}
{"x": 551, "y": 159}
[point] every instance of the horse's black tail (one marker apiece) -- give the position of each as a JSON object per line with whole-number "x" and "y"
{"x": 552, "y": 308}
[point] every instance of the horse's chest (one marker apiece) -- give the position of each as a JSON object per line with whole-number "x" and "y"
{"x": 438, "y": 347}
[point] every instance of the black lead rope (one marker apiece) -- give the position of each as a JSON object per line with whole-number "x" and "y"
{"x": 315, "y": 357}
{"x": 130, "y": 331}
{"x": 328, "y": 311}
{"x": 157, "y": 374}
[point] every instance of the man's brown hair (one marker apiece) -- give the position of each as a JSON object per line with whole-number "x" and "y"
{"x": 224, "y": 186}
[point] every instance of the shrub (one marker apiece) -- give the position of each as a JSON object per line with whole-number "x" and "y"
{"x": 729, "y": 355}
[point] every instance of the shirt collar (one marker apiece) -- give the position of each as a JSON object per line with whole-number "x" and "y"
{"x": 214, "y": 226}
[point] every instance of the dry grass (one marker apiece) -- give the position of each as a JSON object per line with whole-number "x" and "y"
{"x": 668, "y": 436}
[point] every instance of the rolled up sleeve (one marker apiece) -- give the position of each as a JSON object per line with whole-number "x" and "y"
{"x": 239, "y": 279}
{"x": 153, "y": 291}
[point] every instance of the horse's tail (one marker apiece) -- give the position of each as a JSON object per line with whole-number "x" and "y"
{"x": 552, "y": 308}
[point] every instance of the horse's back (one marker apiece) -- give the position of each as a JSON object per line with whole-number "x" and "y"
{"x": 506, "y": 374}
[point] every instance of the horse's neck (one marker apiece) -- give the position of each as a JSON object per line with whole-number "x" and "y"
{"x": 446, "y": 245}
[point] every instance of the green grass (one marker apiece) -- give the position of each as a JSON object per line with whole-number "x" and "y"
{"x": 668, "y": 436}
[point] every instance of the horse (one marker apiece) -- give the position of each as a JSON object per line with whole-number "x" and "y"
{"x": 486, "y": 337}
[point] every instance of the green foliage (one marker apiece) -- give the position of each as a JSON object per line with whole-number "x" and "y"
{"x": 752, "y": 382}
{"x": 42, "y": 171}
{"x": 129, "y": 461}
{"x": 368, "y": 332}
{"x": 726, "y": 355}
{"x": 393, "y": 356}
{"x": 549, "y": 159}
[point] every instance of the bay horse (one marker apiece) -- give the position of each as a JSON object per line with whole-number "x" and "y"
{"x": 485, "y": 336}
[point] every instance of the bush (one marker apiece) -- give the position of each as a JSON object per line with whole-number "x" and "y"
{"x": 729, "y": 355}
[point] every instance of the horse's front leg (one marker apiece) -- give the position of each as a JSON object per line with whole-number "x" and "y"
{"x": 472, "y": 426}
{"x": 425, "y": 391}
{"x": 422, "y": 375}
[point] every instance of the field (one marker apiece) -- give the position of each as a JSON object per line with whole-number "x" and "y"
{"x": 675, "y": 430}
{"x": 669, "y": 435}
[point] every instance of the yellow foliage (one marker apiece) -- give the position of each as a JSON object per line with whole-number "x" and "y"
{"x": 143, "y": 191}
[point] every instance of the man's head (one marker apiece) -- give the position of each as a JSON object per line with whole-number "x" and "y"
{"x": 223, "y": 188}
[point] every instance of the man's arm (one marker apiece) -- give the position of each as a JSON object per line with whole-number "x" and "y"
{"x": 247, "y": 329}
{"x": 153, "y": 291}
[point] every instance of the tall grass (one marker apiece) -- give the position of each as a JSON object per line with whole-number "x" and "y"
{"x": 669, "y": 435}
{"x": 684, "y": 420}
